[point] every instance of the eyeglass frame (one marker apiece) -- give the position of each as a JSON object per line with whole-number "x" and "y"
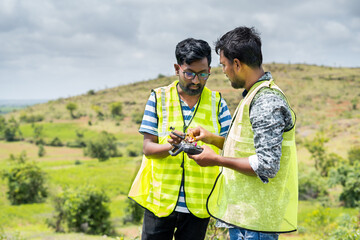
{"x": 195, "y": 74}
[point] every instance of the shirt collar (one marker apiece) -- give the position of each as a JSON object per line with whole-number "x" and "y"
{"x": 266, "y": 77}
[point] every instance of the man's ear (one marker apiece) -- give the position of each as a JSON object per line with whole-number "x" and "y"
{"x": 177, "y": 69}
{"x": 237, "y": 64}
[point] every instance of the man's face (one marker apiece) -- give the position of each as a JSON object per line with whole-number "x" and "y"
{"x": 228, "y": 70}
{"x": 193, "y": 85}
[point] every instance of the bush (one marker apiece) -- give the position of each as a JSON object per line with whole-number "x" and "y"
{"x": 11, "y": 128}
{"x": 348, "y": 228}
{"x": 31, "y": 118}
{"x": 99, "y": 111}
{"x": 84, "y": 210}
{"x": 56, "y": 142}
{"x": 349, "y": 177}
{"x": 133, "y": 212}
{"x": 21, "y": 158}
{"x": 116, "y": 109}
{"x": 41, "y": 151}
{"x": 103, "y": 147}
{"x": 323, "y": 161}
{"x": 91, "y": 92}
{"x": 354, "y": 155}
{"x": 38, "y": 132}
{"x": 133, "y": 151}
{"x": 26, "y": 183}
{"x": 12, "y": 236}
{"x": 137, "y": 117}
{"x": 311, "y": 186}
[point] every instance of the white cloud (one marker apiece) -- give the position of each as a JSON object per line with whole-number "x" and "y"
{"x": 56, "y": 48}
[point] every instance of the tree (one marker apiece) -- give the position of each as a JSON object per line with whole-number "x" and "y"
{"x": 71, "y": 107}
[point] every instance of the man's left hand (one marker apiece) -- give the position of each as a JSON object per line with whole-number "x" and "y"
{"x": 207, "y": 158}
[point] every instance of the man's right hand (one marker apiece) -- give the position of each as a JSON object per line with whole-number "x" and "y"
{"x": 206, "y": 136}
{"x": 199, "y": 133}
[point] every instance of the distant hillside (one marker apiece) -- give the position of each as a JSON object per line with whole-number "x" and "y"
{"x": 324, "y": 98}
{"x": 9, "y": 105}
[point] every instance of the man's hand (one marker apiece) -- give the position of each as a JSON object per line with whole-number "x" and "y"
{"x": 199, "y": 133}
{"x": 175, "y": 139}
{"x": 206, "y": 136}
{"x": 207, "y": 158}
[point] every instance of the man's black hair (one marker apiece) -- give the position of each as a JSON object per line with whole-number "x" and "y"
{"x": 191, "y": 50}
{"x": 242, "y": 43}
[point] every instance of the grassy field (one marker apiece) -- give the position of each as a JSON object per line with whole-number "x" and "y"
{"x": 325, "y": 99}
{"x": 63, "y": 172}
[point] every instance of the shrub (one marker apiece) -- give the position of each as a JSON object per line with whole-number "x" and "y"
{"x": 133, "y": 212}
{"x": 311, "y": 186}
{"x": 12, "y": 236}
{"x": 99, "y": 111}
{"x": 349, "y": 177}
{"x": 41, "y": 151}
{"x": 11, "y": 128}
{"x": 2, "y": 123}
{"x": 215, "y": 232}
{"x": 21, "y": 158}
{"x": 137, "y": 117}
{"x": 31, "y": 118}
{"x": 84, "y": 210}
{"x": 323, "y": 161}
{"x": 56, "y": 142}
{"x": 348, "y": 228}
{"x": 38, "y": 132}
{"x": 26, "y": 183}
{"x": 116, "y": 109}
{"x": 103, "y": 147}
{"x": 354, "y": 155}
{"x": 91, "y": 92}
{"x": 133, "y": 151}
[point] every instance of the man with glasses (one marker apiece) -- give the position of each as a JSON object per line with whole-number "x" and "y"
{"x": 173, "y": 189}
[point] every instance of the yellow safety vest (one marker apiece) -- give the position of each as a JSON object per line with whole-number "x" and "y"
{"x": 245, "y": 201}
{"x": 157, "y": 184}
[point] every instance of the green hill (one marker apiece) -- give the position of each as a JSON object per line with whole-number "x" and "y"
{"x": 325, "y": 100}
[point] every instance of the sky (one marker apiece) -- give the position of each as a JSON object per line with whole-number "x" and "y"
{"x": 52, "y": 49}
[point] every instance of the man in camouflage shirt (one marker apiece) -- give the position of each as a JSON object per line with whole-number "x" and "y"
{"x": 271, "y": 121}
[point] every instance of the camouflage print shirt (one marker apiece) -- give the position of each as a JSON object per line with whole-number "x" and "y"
{"x": 270, "y": 116}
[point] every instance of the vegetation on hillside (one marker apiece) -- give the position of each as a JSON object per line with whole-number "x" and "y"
{"x": 66, "y": 138}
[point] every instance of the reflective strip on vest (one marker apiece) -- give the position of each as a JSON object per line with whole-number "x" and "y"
{"x": 157, "y": 184}
{"x": 245, "y": 201}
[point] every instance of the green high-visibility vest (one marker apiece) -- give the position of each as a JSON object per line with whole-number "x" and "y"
{"x": 245, "y": 201}
{"x": 157, "y": 184}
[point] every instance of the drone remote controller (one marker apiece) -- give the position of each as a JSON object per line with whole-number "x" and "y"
{"x": 184, "y": 146}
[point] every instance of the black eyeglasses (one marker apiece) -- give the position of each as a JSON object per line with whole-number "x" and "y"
{"x": 191, "y": 75}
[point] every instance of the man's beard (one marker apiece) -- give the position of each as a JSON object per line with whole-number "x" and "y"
{"x": 191, "y": 92}
{"x": 237, "y": 84}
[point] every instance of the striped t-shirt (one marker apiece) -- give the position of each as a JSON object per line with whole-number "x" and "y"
{"x": 149, "y": 125}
